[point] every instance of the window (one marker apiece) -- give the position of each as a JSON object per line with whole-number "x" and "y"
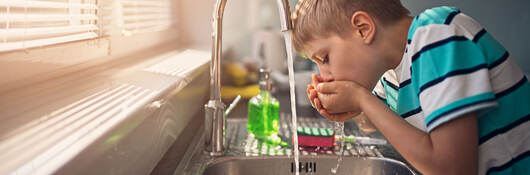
{"x": 35, "y": 23}
{"x": 140, "y": 16}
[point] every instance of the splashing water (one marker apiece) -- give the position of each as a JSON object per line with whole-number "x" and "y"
{"x": 289, "y": 47}
{"x": 339, "y": 133}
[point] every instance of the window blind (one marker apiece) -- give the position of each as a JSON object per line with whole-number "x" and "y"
{"x": 34, "y": 23}
{"x": 106, "y": 17}
{"x": 140, "y": 16}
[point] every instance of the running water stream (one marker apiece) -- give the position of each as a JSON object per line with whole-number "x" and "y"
{"x": 339, "y": 133}
{"x": 289, "y": 48}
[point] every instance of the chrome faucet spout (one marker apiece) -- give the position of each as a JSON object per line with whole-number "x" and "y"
{"x": 285, "y": 14}
{"x": 215, "y": 121}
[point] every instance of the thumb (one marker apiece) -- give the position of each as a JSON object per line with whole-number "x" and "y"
{"x": 326, "y": 88}
{"x": 315, "y": 79}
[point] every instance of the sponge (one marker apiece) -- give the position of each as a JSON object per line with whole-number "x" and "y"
{"x": 315, "y": 137}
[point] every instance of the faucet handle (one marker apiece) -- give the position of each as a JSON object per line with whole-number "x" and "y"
{"x": 232, "y": 105}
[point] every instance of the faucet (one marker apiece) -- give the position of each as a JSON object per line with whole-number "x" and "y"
{"x": 215, "y": 121}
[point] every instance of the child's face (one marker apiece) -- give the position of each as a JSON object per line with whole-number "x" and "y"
{"x": 346, "y": 59}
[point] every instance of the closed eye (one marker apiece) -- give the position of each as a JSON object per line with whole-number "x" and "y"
{"x": 325, "y": 60}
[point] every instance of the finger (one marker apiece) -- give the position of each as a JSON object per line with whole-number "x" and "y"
{"x": 326, "y": 100}
{"x": 327, "y": 88}
{"x": 315, "y": 79}
{"x": 309, "y": 88}
{"x": 318, "y": 104}
{"x": 313, "y": 94}
{"x": 325, "y": 79}
{"x": 318, "y": 78}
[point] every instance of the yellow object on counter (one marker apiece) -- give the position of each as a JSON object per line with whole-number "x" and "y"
{"x": 230, "y": 92}
{"x": 237, "y": 73}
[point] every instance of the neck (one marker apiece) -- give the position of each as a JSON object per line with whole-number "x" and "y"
{"x": 396, "y": 36}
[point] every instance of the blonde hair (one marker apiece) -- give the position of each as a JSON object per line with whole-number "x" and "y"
{"x": 321, "y": 18}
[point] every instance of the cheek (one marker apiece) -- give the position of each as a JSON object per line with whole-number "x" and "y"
{"x": 343, "y": 72}
{"x": 353, "y": 71}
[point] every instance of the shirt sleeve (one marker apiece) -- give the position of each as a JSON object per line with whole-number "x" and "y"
{"x": 450, "y": 77}
{"x": 379, "y": 91}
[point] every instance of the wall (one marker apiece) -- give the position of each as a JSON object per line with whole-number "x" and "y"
{"x": 195, "y": 22}
{"x": 508, "y": 21}
{"x": 241, "y": 19}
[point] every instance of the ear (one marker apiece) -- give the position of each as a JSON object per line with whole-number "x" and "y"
{"x": 363, "y": 26}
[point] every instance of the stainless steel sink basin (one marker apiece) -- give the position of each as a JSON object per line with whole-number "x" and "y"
{"x": 309, "y": 165}
{"x": 247, "y": 156}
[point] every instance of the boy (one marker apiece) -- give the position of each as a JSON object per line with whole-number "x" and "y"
{"x": 451, "y": 101}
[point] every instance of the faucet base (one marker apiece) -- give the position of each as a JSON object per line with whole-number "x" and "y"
{"x": 214, "y": 127}
{"x": 215, "y": 154}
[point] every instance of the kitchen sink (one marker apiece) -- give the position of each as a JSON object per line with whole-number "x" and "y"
{"x": 248, "y": 156}
{"x": 308, "y": 165}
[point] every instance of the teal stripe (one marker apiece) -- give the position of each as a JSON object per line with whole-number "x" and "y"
{"x": 458, "y": 103}
{"x": 439, "y": 61}
{"x": 409, "y": 103}
{"x": 520, "y": 167}
{"x": 436, "y": 15}
{"x": 512, "y": 107}
{"x": 490, "y": 47}
{"x": 391, "y": 96}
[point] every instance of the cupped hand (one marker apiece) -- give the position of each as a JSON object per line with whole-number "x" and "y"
{"x": 340, "y": 96}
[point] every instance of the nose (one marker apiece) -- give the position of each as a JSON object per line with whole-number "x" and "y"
{"x": 325, "y": 74}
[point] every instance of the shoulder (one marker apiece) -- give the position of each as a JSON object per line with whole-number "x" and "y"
{"x": 438, "y": 15}
{"x": 445, "y": 21}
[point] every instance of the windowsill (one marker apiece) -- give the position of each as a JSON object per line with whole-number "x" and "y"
{"x": 47, "y": 124}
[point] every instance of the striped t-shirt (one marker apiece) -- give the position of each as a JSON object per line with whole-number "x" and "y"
{"x": 453, "y": 66}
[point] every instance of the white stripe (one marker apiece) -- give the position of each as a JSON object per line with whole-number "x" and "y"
{"x": 453, "y": 89}
{"x": 44, "y": 4}
{"x": 155, "y": 23}
{"x": 142, "y": 17}
{"x": 45, "y": 31}
{"x": 403, "y": 69}
{"x": 391, "y": 77}
{"x": 32, "y": 17}
{"x": 161, "y": 10}
{"x": 418, "y": 121}
{"x": 462, "y": 25}
{"x": 502, "y": 148}
{"x": 10, "y": 46}
{"x": 145, "y": 3}
{"x": 505, "y": 75}
{"x": 467, "y": 24}
{"x": 379, "y": 89}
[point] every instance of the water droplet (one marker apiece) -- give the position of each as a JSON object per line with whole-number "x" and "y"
{"x": 339, "y": 131}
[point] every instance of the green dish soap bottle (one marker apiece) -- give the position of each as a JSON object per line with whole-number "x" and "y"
{"x": 263, "y": 112}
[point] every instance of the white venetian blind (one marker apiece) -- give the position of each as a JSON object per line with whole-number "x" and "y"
{"x": 34, "y": 23}
{"x": 140, "y": 16}
{"x": 106, "y": 17}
